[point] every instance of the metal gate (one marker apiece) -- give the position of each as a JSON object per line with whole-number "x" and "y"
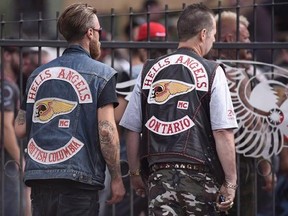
{"x": 260, "y": 147}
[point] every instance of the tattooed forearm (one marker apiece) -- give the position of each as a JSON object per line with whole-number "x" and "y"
{"x": 21, "y": 117}
{"x": 109, "y": 143}
{"x": 106, "y": 132}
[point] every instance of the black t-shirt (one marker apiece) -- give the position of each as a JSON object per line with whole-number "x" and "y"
{"x": 11, "y": 96}
{"x": 108, "y": 94}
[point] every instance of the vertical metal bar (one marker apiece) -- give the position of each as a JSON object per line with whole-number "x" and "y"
{"x": 148, "y": 22}
{"x": 2, "y": 118}
{"x": 131, "y": 199}
{"x": 148, "y": 30}
{"x": 237, "y": 26}
{"x": 57, "y": 33}
{"x": 112, "y": 23}
{"x": 254, "y": 36}
{"x": 273, "y": 30}
{"x": 166, "y": 22}
{"x": 21, "y": 57}
{"x": 131, "y": 27}
{"x": 20, "y": 176}
{"x": 40, "y": 22}
{"x": 254, "y": 56}
{"x": 131, "y": 23}
{"x": 112, "y": 36}
{"x": 183, "y": 6}
{"x": 238, "y": 157}
{"x": 130, "y": 39}
{"x": 219, "y": 9}
{"x": 112, "y": 65}
{"x": 273, "y": 164}
{"x": 219, "y": 33}
{"x": 254, "y": 72}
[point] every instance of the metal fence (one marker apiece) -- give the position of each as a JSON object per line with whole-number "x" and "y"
{"x": 42, "y": 33}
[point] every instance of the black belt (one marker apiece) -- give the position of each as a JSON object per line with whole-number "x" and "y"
{"x": 184, "y": 166}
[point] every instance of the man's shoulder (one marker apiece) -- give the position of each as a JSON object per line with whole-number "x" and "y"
{"x": 81, "y": 64}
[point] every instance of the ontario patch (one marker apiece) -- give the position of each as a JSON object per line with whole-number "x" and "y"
{"x": 169, "y": 128}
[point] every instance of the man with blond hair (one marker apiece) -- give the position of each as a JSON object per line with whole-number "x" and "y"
{"x": 233, "y": 28}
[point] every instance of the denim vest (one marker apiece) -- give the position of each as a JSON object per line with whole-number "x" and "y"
{"x": 62, "y": 124}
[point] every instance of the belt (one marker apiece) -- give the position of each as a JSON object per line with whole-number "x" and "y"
{"x": 184, "y": 166}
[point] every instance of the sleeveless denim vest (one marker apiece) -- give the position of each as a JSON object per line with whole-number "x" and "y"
{"x": 62, "y": 125}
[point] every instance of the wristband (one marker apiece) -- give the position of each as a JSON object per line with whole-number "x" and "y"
{"x": 230, "y": 185}
{"x": 135, "y": 173}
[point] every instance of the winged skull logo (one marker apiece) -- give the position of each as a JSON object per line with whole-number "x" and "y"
{"x": 163, "y": 90}
{"x": 261, "y": 107}
{"x": 48, "y": 108}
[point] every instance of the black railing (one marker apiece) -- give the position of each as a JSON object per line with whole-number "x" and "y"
{"x": 111, "y": 22}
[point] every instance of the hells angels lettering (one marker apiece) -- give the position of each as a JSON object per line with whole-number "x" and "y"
{"x": 194, "y": 66}
{"x": 75, "y": 79}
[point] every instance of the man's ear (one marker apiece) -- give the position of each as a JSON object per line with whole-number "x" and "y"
{"x": 203, "y": 34}
{"x": 89, "y": 33}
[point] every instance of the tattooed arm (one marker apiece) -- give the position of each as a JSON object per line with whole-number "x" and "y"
{"x": 110, "y": 148}
{"x": 20, "y": 124}
{"x": 10, "y": 140}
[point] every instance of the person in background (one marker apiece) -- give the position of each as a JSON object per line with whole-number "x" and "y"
{"x": 260, "y": 18}
{"x": 157, "y": 32}
{"x": 181, "y": 106}
{"x": 154, "y": 7}
{"x": 131, "y": 203}
{"x": 32, "y": 58}
{"x": 30, "y": 61}
{"x": 68, "y": 117}
{"x": 12, "y": 158}
{"x": 227, "y": 32}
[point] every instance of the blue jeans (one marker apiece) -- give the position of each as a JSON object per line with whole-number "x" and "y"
{"x": 52, "y": 200}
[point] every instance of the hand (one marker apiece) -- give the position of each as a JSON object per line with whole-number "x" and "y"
{"x": 117, "y": 190}
{"x": 227, "y": 203}
{"x": 138, "y": 185}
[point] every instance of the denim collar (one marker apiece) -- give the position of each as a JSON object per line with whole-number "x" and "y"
{"x": 75, "y": 49}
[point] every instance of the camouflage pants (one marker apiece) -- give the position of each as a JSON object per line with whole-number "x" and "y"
{"x": 176, "y": 192}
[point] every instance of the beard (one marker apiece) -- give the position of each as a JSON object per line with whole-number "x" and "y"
{"x": 94, "y": 48}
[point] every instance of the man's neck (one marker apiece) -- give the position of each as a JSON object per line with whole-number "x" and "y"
{"x": 191, "y": 44}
